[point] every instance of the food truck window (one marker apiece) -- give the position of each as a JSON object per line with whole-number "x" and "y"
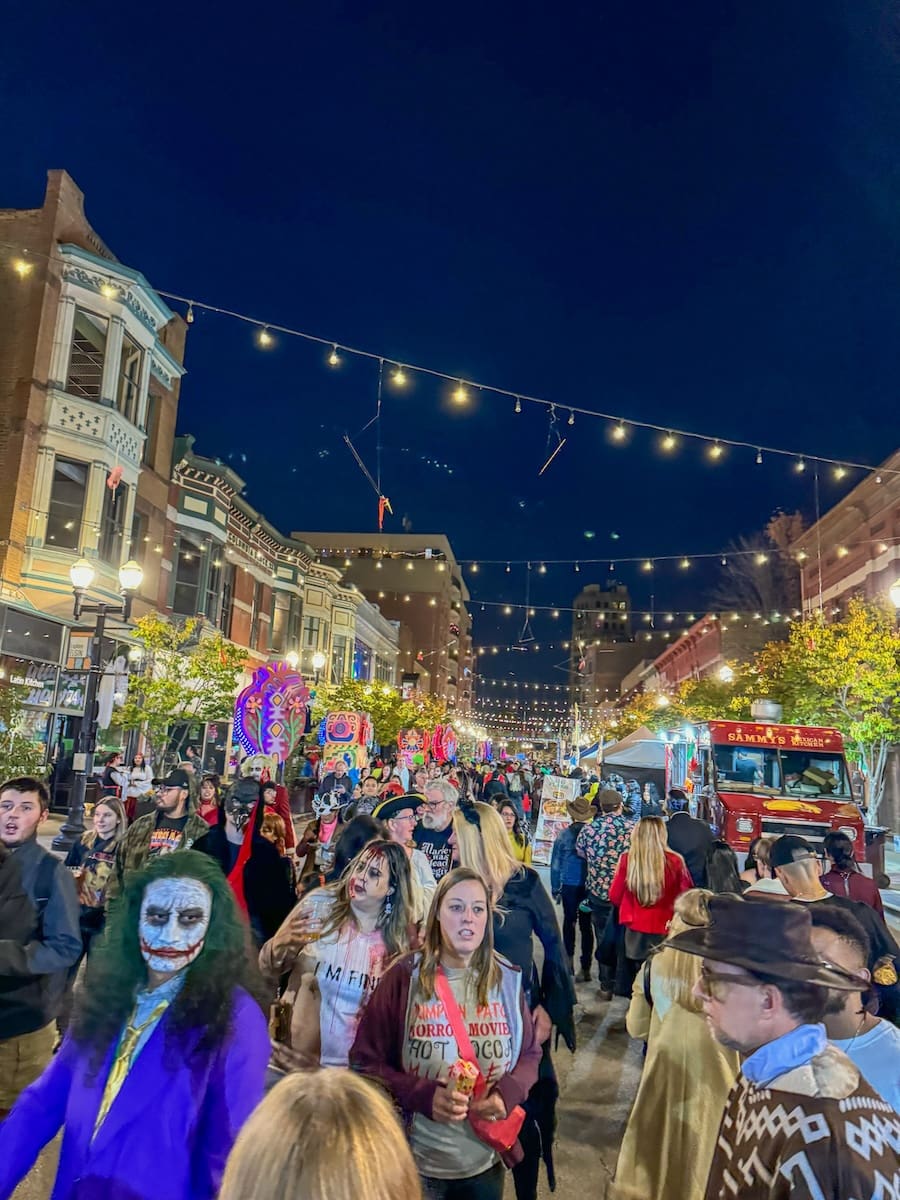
{"x": 815, "y": 774}
{"x": 748, "y": 765}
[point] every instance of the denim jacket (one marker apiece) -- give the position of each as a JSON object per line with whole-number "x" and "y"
{"x": 565, "y": 865}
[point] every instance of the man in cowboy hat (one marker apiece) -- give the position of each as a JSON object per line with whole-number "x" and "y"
{"x": 568, "y": 873}
{"x": 800, "y": 1121}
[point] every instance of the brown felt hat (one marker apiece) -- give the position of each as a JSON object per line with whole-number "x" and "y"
{"x": 580, "y": 809}
{"x": 764, "y": 937}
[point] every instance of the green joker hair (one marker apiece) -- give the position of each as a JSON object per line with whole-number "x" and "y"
{"x": 116, "y": 970}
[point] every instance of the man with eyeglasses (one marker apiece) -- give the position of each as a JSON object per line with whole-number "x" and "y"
{"x": 800, "y": 1121}
{"x": 174, "y": 826}
{"x": 433, "y": 836}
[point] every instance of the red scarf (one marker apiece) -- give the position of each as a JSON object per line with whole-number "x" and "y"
{"x": 236, "y": 876}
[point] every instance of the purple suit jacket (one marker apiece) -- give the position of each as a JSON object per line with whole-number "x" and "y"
{"x": 169, "y": 1131}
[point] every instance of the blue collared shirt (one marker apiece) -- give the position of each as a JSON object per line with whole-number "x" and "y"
{"x": 784, "y": 1054}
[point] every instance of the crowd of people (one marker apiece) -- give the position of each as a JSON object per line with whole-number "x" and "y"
{"x": 360, "y": 1009}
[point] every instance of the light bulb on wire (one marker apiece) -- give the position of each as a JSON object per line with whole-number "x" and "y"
{"x": 759, "y": 458}
{"x": 461, "y": 396}
{"x": 518, "y": 407}
{"x": 571, "y": 420}
{"x": 334, "y": 358}
{"x": 264, "y": 339}
{"x": 669, "y": 442}
{"x": 619, "y": 431}
{"x": 22, "y": 268}
{"x": 399, "y": 377}
{"x": 716, "y": 450}
{"x": 840, "y": 472}
{"x": 800, "y": 465}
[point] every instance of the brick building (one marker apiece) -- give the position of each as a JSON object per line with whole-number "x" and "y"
{"x": 854, "y": 549}
{"x": 90, "y": 369}
{"x": 415, "y": 580}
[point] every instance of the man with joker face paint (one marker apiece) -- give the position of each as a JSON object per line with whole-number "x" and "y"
{"x": 166, "y": 1020}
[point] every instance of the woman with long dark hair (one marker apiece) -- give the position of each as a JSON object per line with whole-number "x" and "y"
{"x": 422, "y": 1035}
{"x": 335, "y": 945}
{"x": 722, "y": 873}
{"x": 166, "y": 1053}
{"x": 517, "y": 839}
{"x": 845, "y": 878}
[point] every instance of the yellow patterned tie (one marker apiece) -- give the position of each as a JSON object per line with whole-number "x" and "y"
{"x": 122, "y": 1062}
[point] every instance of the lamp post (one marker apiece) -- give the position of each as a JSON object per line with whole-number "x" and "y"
{"x": 82, "y": 575}
{"x": 292, "y": 658}
{"x": 318, "y": 662}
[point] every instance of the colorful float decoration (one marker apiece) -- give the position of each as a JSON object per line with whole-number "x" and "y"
{"x": 413, "y": 745}
{"x": 271, "y": 714}
{"x": 346, "y": 735}
{"x": 444, "y": 744}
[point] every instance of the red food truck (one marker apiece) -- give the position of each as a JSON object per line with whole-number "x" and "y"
{"x": 750, "y": 779}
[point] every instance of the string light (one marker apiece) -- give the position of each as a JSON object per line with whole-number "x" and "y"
{"x": 474, "y": 568}
{"x": 22, "y": 268}
{"x": 840, "y": 472}
{"x": 648, "y": 565}
{"x": 759, "y": 458}
{"x": 508, "y": 568}
{"x": 542, "y": 569}
{"x": 399, "y": 377}
{"x": 109, "y": 291}
{"x": 619, "y": 432}
{"x": 518, "y": 405}
{"x": 571, "y": 420}
{"x": 264, "y": 339}
{"x": 461, "y": 396}
{"x": 669, "y": 442}
{"x": 189, "y": 315}
{"x": 685, "y": 563}
{"x": 761, "y": 559}
{"x": 577, "y": 568}
{"x": 800, "y": 466}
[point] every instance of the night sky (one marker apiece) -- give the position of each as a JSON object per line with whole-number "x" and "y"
{"x": 686, "y": 214}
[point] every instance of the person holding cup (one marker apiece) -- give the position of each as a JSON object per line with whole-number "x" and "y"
{"x": 334, "y": 946}
{"x": 449, "y": 1034}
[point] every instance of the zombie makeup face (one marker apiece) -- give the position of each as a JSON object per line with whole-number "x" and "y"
{"x": 173, "y": 923}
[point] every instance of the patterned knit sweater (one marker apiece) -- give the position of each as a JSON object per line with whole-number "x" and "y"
{"x": 818, "y": 1132}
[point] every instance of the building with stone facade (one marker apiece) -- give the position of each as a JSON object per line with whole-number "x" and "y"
{"x": 416, "y": 581}
{"x": 604, "y": 645}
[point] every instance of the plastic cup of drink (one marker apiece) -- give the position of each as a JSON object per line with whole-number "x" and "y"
{"x": 316, "y": 907}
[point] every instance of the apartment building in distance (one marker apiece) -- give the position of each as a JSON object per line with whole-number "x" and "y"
{"x": 415, "y": 580}
{"x": 603, "y": 646}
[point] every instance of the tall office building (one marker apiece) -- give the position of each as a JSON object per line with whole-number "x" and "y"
{"x": 603, "y": 647}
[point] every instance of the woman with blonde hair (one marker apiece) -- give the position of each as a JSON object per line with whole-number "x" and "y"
{"x": 523, "y": 909}
{"x": 449, "y": 1034}
{"x": 336, "y": 944}
{"x": 671, "y": 1133}
{"x": 322, "y": 1135}
{"x": 648, "y": 879}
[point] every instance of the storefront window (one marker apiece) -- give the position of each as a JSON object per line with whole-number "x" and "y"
{"x": 112, "y": 521}
{"x": 38, "y": 679}
{"x": 30, "y": 637}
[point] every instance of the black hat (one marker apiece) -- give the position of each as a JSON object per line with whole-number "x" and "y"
{"x": 765, "y": 936}
{"x": 789, "y": 849}
{"x": 398, "y": 804}
{"x": 176, "y": 778}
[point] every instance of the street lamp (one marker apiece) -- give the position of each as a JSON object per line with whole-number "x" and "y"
{"x": 292, "y": 658}
{"x": 318, "y": 662}
{"x": 82, "y": 575}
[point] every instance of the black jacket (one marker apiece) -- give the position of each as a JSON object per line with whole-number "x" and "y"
{"x": 268, "y": 889}
{"x": 40, "y": 937}
{"x": 692, "y": 839}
